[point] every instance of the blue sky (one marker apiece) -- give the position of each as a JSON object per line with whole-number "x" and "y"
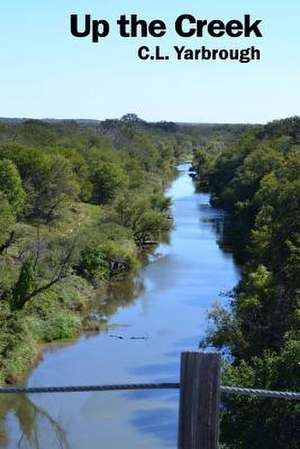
{"x": 45, "y": 72}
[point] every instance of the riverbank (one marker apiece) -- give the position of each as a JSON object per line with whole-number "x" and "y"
{"x": 66, "y": 311}
{"x": 256, "y": 180}
{"x": 67, "y": 225}
{"x": 110, "y": 253}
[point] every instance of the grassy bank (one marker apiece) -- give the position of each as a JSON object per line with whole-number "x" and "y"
{"x": 62, "y": 311}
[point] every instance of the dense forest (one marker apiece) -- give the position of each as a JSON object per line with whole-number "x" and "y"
{"x": 256, "y": 180}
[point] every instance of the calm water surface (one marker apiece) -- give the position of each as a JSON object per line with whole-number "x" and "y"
{"x": 181, "y": 283}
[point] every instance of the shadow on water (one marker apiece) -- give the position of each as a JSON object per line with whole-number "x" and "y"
{"x": 221, "y": 225}
{"x": 160, "y": 369}
{"x": 160, "y": 422}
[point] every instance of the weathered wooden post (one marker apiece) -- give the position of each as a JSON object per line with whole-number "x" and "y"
{"x": 199, "y": 401}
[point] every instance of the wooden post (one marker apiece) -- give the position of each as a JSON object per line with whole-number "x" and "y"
{"x": 199, "y": 401}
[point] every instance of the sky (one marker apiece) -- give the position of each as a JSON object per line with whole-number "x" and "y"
{"x": 47, "y": 73}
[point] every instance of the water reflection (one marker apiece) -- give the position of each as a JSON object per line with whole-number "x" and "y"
{"x": 111, "y": 297}
{"x": 160, "y": 422}
{"x": 159, "y": 369}
{"x": 32, "y": 422}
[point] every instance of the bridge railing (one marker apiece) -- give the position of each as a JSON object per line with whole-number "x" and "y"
{"x": 200, "y": 392}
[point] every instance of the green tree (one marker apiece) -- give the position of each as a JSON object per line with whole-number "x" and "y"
{"x": 24, "y": 285}
{"x": 149, "y": 226}
{"x": 57, "y": 189}
{"x": 107, "y": 179}
{"x": 146, "y": 216}
{"x": 93, "y": 265}
{"x": 81, "y": 172}
{"x": 257, "y": 181}
{"x": 7, "y": 219}
{"x": 11, "y": 185}
{"x": 145, "y": 151}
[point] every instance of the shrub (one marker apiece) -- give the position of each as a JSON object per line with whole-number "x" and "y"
{"x": 44, "y": 305}
{"x": 18, "y": 344}
{"x": 59, "y": 327}
{"x": 121, "y": 258}
{"x": 93, "y": 265}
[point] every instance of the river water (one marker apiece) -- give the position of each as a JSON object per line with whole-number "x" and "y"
{"x": 180, "y": 284}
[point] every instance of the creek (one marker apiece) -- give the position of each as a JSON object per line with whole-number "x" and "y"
{"x": 146, "y": 335}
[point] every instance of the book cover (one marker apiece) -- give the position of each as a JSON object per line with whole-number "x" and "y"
{"x": 149, "y": 224}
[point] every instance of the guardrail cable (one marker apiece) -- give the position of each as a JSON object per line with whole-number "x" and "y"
{"x": 149, "y": 386}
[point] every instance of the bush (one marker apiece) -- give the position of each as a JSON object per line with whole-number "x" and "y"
{"x": 93, "y": 265}
{"x": 121, "y": 258}
{"x": 18, "y": 344}
{"x": 73, "y": 294}
{"x": 59, "y": 327}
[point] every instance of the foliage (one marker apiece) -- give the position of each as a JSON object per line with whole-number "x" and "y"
{"x": 7, "y": 218}
{"x": 17, "y": 344}
{"x": 120, "y": 258}
{"x": 107, "y": 180}
{"x": 107, "y": 260}
{"x": 54, "y": 249}
{"x": 11, "y": 186}
{"x": 257, "y": 181}
{"x": 58, "y": 188}
{"x": 257, "y": 422}
{"x": 146, "y": 217}
{"x": 24, "y": 285}
{"x": 93, "y": 264}
{"x": 60, "y": 326}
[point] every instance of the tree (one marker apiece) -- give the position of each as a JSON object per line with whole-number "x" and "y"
{"x": 160, "y": 203}
{"x": 57, "y": 188}
{"x": 29, "y": 283}
{"x": 263, "y": 422}
{"x": 257, "y": 182}
{"x": 81, "y": 172}
{"x": 7, "y": 220}
{"x": 93, "y": 265}
{"x": 146, "y": 216}
{"x": 48, "y": 179}
{"x": 145, "y": 151}
{"x": 131, "y": 118}
{"x": 11, "y": 185}
{"x": 107, "y": 179}
{"x": 25, "y": 285}
{"x": 149, "y": 226}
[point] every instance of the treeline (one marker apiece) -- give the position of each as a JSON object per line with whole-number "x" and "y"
{"x": 203, "y": 133}
{"x": 256, "y": 180}
{"x": 78, "y": 202}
